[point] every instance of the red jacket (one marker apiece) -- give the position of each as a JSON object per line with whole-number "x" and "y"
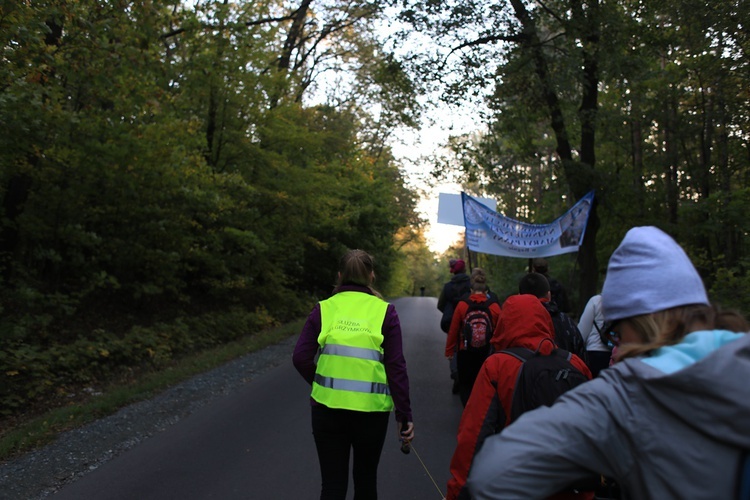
{"x": 451, "y": 343}
{"x": 524, "y": 323}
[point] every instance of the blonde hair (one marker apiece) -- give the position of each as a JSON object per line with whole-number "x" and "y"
{"x": 670, "y": 326}
{"x": 478, "y": 280}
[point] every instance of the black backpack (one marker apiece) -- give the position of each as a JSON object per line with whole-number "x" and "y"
{"x": 542, "y": 378}
{"x": 477, "y": 327}
{"x": 567, "y": 334}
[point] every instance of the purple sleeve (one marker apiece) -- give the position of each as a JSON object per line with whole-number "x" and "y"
{"x": 307, "y": 346}
{"x": 395, "y": 365}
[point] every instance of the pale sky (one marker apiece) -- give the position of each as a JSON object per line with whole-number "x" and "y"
{"x": 439, "y": 236}
{"x": 414, "y": 146}
{"x": 410, "y": 146}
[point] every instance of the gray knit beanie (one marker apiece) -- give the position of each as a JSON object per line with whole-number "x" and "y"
{"x": 649, "y": 272}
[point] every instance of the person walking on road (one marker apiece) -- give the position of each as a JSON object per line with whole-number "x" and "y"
{"x": 471, "y": 332}
{"x": 524, "y": 323}
{"x": 669, "y": 419}
{"x": 557, "y": 290}
{"x": 453, "y": 291}
{"x": 350, "y": 352}
{"x": 567, "y": 335}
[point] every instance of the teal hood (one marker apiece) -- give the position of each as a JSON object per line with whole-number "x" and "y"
{"x": 693, "y": 348}
{"x": 702, "y": 381}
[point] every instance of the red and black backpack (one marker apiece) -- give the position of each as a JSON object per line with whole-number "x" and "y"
{"x": 477, "y": 327}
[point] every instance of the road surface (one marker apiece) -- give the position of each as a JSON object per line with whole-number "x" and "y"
{"x": 257, "y": 443}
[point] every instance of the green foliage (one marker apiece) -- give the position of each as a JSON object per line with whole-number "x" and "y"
{"x": 646, "y": 102}
{"x": 416, "y": 267}
{"x": 165, "y": 188}
{"x": 33, "y": 373}
{"x": 731, "y": 287}
{"x": 93, "y": 402}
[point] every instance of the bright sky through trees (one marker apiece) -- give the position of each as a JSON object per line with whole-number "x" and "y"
{"x": 413, "y": 149}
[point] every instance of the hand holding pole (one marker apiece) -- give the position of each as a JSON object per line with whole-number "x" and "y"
{"x": 406, "y": 434}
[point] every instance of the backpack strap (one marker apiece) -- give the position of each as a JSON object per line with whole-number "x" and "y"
{"x": 539, "y": 347}
{"x": 520, "y": 353}
{"x": 523, "y": 355}
{"x": 461, "y": 332}
{"x": 603, "y": 336}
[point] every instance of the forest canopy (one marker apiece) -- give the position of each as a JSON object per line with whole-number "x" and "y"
{"x": 175, "y": 174}
{"x": 644, "y": 102}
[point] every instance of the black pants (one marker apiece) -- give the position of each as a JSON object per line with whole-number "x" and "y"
{"x": 336, "y": 433}
{"x": 468, "y": 364}
{"x": 597, "y": 361}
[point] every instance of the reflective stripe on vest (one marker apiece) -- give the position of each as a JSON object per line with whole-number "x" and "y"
{"x": 352, "y": 385}
{"x": 352, "y": 352}
{"x": 350, "y": 373}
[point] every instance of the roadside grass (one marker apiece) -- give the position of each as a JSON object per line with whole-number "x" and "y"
{"x": 44, "y": 428}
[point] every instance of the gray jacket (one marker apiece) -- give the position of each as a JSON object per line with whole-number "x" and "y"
{"x": 671, "y": 425}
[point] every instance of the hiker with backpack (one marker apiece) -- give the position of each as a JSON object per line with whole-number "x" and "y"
{"x": 458, "y": 286}
{"x": 525, "y": 371}
{"x": 567, "y": 335}
{"x": 669, "y": 419}
{"x": 557, "y": 290}
{"x": 470, "y": 333}
{"x": 453, "y": 291}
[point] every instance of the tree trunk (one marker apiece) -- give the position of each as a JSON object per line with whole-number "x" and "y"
{"x": 580, "y": 175}
{"x": 293, "y": 37}
{"x": 533, "y": 44}
{"x": 636, "y": 139}
{"x": 670, "y": 164}
{"x": 731, "y": 236}
{"x": 292, "y": 41}
{"x": 581, "y": 179}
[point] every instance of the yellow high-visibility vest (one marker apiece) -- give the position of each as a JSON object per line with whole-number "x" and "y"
{"x": 350, "y": 373}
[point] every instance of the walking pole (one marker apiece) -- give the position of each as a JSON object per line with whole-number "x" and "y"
{"x": 442, "y": 495}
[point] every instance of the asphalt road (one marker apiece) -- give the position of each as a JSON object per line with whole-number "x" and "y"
{"x": 258, "y": 444}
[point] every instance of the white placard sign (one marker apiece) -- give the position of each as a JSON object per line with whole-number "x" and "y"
{"x": 451, "y": 210}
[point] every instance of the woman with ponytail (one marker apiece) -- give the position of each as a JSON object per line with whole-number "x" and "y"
{"x": 350, "y": 352}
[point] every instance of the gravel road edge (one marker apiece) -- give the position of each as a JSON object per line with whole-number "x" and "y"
{"x": 40, "y": 473}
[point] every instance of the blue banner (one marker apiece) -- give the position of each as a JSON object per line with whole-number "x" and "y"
{"x": 490, "y": 232}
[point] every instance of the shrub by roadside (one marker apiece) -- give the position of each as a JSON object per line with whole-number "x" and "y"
{"x": 95, "y": 376}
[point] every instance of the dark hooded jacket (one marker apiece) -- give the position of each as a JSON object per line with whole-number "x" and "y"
{"x": 567, "y": 335}
{"x": 453, "y": 291}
